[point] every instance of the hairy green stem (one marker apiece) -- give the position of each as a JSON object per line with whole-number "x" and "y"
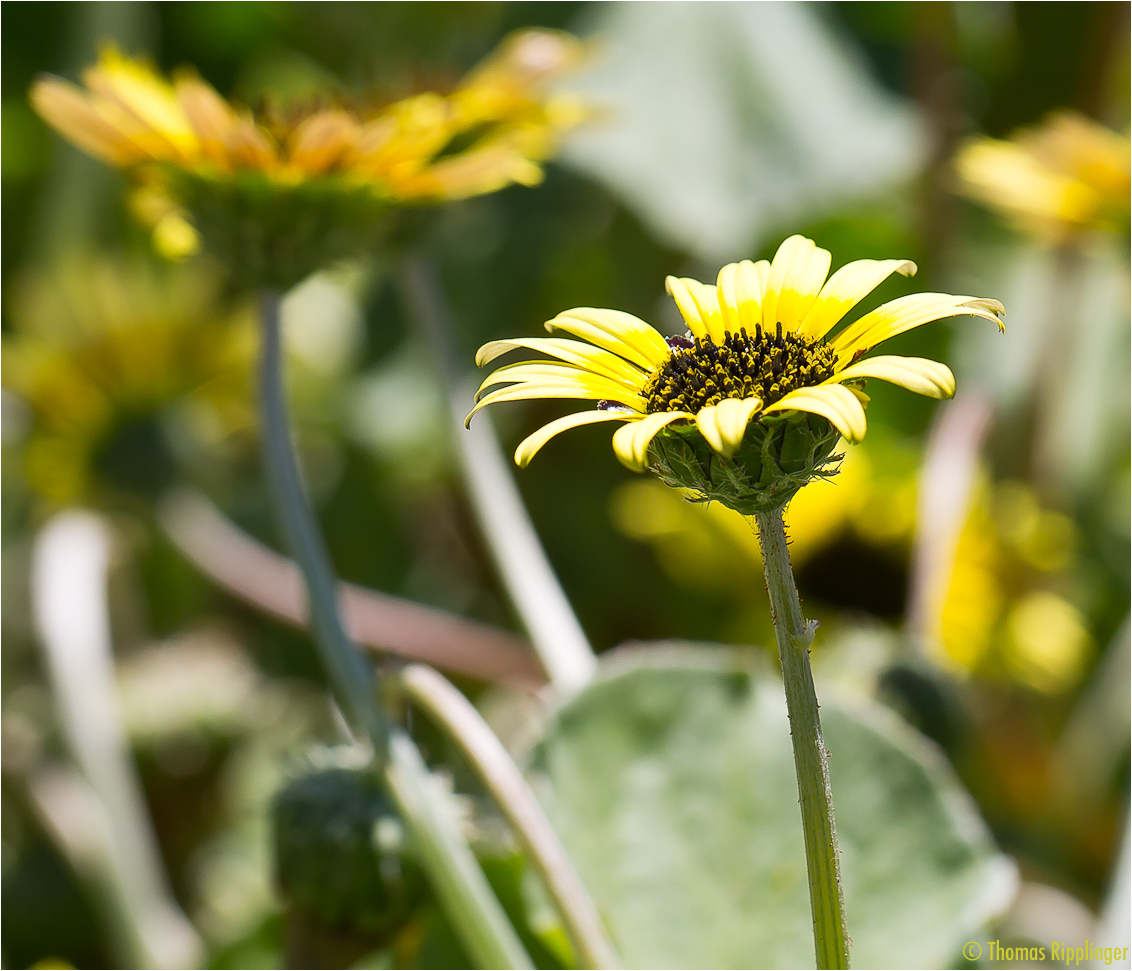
{"x": 794, "y": 636}
{"x": 453, "y": 872}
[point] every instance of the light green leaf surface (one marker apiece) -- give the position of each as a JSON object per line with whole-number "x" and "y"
{"x": 671, "y": 782}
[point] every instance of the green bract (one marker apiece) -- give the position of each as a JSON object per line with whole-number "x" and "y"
{"x": 779, "y": 454}
{"x": 268, "y": 234}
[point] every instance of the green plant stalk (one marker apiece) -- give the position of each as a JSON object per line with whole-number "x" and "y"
{"x": 794, "y": 636}
{"x": 353, "y": 682}
{"x": 542, "y": 606}
{"x": 499, "y": 774}
{"x": 453, "y": 871}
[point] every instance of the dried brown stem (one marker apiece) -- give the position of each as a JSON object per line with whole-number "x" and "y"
{"x": 380, "y": 622}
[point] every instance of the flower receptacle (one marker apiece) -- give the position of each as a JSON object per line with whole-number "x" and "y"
{"x": 779, "y": 454}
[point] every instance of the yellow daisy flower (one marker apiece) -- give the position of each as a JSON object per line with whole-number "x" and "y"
{"x": 244, "y": 178}
{"x": 1066, "y": 174}
{"x": 703, "y": 410}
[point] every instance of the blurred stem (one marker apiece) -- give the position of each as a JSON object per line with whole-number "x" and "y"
{"x": 495, "y": 768}
{"x": 794, "y": 636}
{"x": 352, "y": 680}
{"x": 454, "y": 874}
{"x": 538, "y": 597}
{"x": 1062, "y": 325}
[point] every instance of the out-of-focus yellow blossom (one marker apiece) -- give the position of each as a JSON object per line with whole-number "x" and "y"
{"x": 207, "y": 166}
{"x": 975, "y": 596}
{"x": 999, "y": 617}
{"x": 707, "y": 545}
{"x": 1066, "y": 174}
{"x": 1048, "y": 641}
{"x": 97, "y": 353}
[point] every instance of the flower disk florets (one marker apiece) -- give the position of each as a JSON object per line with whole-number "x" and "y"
{"x": 703, "y": 373}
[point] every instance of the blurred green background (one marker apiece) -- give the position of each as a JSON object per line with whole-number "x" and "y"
{"x": 373, "y": 428}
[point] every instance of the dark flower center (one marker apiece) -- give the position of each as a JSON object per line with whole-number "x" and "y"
{"x": 769, "y": 367}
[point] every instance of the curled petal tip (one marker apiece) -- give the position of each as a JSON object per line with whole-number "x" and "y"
{"x": 908, "y": 269}
{"x": 996, "y": 307}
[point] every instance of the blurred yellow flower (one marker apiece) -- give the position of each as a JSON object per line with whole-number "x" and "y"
{"x": 99, "y": 350}
{"x": 1067, "y": 173}
{"x": 194, "y": 152}
{"x": 1048, "y": 641}
{"x": 997, "y": 617}
{"x": 708, "y": 546}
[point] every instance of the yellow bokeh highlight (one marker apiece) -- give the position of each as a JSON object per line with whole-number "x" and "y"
{"x": 999, "y": 616}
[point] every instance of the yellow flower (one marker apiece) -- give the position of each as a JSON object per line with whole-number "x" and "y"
{"x": 233, "y": 175}
{"x": 756, "y": 348}
{"x": 995, "y": 613}
{"x": 1066, "y": 174}
{"x": 100, "y": 350}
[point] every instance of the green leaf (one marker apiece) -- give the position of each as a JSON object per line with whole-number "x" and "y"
{"x": 671, "y": 782}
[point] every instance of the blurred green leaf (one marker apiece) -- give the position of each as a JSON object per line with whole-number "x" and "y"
{"x": 671, "y": 782}
{"x": 725, "y": 120}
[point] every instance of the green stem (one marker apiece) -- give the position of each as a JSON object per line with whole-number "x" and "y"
{"x": 454, "y": 874}
{"x": 794, "y": 636}
{"x": 499, "y": 774}
{"x": 353, "y": 682}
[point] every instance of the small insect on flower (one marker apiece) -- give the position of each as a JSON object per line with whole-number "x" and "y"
{"x": 302, "y": 184}
{"x": 1066, "y": 174}
{"x": 747, "y": 406}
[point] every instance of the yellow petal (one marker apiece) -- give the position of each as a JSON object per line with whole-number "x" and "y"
{"x": 904, "y": 313}
{"x": 631, "y": 443}
{"x": 175, "y": 238}
{"x": 210, "y": 115}
{"x": 137, "y": 89}
{"x": 699, "y": 306}
{"x": 796, "y": 277}
{"x": 831, "y": 401}
{"x": 616, "y": 331}
{"x": 558, "y": 374}
{"x": 845, "y": 289}
{"x": 487, "y": 167}
{"x": 741, "y": 287}
{"x": 69, "y": 111}
{"x": 530, "y": 445}
{"x": 578, "y": 353}
{"x": 926, "y": 377}
{"x": 563, "y": 389}
{"x": 251, "y": 147}
{"x": 322, "y": 140}
{"x": 724, "y": 425}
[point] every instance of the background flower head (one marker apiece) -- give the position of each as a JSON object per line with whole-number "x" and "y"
{"x": 288, "y": 187}
{"x": 1065, "y": 174}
